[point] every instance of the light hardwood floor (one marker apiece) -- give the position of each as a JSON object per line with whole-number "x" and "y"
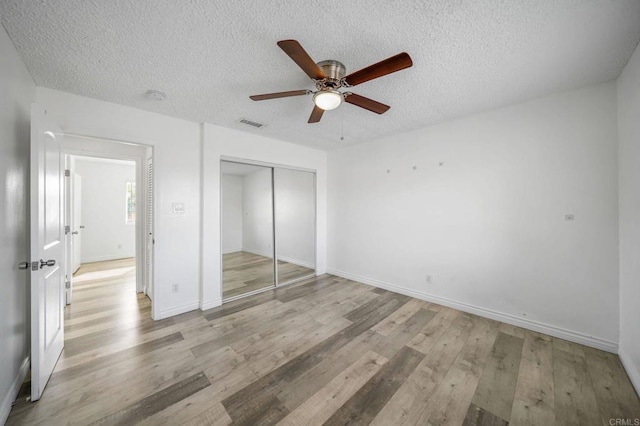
{"x": 323, "y": 351}
{"x": 246, "y": 272}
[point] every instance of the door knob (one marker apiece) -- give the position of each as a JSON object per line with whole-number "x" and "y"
{"x": 74, "y": 233}
{"x": 23, "y": 265}
{"x": 49, "y": 262}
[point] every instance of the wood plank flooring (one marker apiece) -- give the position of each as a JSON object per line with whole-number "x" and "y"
{"x": 323, "y": 351}
{"x": 244, "y": 272}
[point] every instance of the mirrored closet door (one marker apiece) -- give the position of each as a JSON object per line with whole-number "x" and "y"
{"x": 247, "y": 228}
{"x": 267, "y": 213}
{"x": 295, "y": 207}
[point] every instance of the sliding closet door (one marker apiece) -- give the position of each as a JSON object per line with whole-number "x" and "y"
{"x": 295, "y": 208}
{"x": 247, "y": 228}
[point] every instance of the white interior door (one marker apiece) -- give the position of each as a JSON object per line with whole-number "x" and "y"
{"x": 47, "y": 249}
{"x": 76, "y": 222}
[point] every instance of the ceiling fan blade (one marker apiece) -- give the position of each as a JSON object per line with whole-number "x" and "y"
{"x": 279, "y": 95}
{"x": 316, "y": 114}
{"x": 366, "y": 103}
{"x": 302, "y": 58}
{"x": 388, "y": 66}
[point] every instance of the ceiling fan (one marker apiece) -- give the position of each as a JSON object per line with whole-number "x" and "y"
{"x": 329, "y": 76}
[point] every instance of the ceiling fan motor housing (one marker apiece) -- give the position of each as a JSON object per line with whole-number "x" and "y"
{"x": 334, "y": 70}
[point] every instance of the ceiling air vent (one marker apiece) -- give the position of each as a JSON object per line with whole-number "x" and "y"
{"x": 251, "y": 123}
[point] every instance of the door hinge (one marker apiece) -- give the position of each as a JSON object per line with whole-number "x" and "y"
{"x": 67, "y": 229}
{"x": 35, "y": 265}
{"x": 67, "y": 173}
{"x": 67, "y": 284}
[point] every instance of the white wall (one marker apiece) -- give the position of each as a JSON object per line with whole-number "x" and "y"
{"x": 484, "y": 212}
{"x": 257, "y": 218}
{"x": 106, "y": 234}
{"x": 629, "y": 186}
{"x": 219, "y": 142}
{"x": 177, "y": 164}
{"x": 295, "y": 216}
{"x": 231, "y": 187}
{"x": 17, "y": 92}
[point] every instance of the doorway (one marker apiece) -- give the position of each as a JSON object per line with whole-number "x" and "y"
{"x": 268, "y": 224}
{"x": 108, "y": 195}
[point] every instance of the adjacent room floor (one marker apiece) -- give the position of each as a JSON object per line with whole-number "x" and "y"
{"x": 323, "y": 351}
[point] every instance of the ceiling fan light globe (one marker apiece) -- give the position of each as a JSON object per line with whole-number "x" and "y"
{"x": 327, "y": 99}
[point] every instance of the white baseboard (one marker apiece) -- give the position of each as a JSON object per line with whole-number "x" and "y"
{"x": 210, "y": 304}
{"x": 234, "y": 250}
{"x": 8, "y": 399}
{"x": 178, "y": 310}
{"x": 108, "y": 257}
{"x": 283, "y": 258}
{"x": 562, "y": 333}
{"x": 631, "y": 368}
{"x": 298, "y": 262}
{"x": 297, "y": 280}
{"x": 258, "y": 252}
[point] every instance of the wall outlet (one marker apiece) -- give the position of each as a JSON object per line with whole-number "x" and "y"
{"x": 176, "y": 288}
{"x": 428, "y": 279}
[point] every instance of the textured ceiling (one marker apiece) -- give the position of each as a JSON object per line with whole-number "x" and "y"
{"x": 209, "y": 56}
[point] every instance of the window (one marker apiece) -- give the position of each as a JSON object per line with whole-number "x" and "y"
{"x": 131, "y": 202}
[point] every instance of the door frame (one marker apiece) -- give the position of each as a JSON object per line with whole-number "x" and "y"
{"x": 69, "y": 201}
{"x": 67, "y": 189}
{"x": 93, "y": 146}
{"x": 75, "y": 187}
